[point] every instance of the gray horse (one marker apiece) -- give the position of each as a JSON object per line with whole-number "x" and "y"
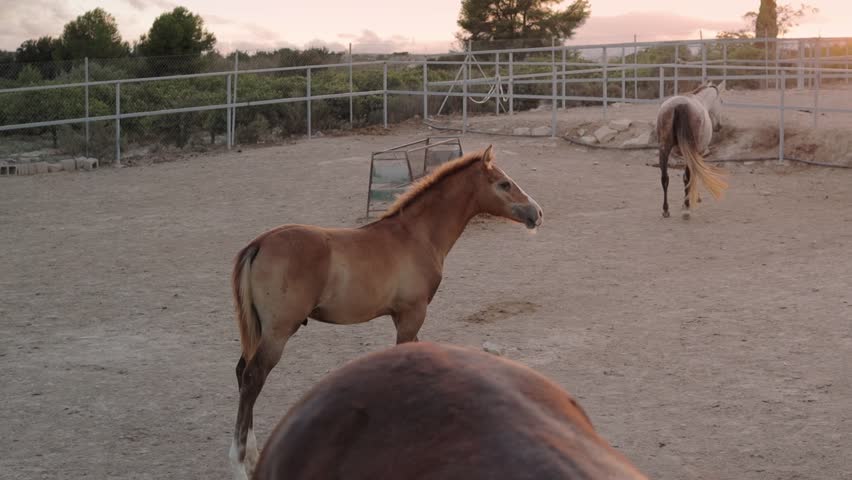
{"x": 688, "y": 122}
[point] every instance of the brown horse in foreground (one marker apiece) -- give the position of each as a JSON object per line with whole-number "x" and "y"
{"x": 346, "y": 276}
{"x": 427, "y": 411}
{"x": 688, "y": 122}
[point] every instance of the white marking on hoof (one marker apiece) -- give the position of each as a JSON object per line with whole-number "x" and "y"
{"x": 251, "y": 452}
{"x": 237, "y": 467}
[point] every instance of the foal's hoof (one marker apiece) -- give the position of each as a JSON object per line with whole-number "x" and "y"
{"x": 686, "y": 214}
{"x": 665, "y": 214}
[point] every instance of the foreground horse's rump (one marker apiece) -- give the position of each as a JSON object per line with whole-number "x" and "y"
{"x": 427, "y": 411}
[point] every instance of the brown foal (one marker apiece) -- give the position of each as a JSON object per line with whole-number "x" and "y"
{"x": 345, "y": 276}
{"x": 424, "y": 411}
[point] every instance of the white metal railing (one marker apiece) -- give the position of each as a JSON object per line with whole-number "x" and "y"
{"x": 502, "y": 89}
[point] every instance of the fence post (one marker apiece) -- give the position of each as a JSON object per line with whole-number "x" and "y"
{"x": 564, "y": 75}
{"x": 635, "y": 69}
{"x": 117, "y": 124}
{"x": 425, "y": 90}
{"x": 847, "y": 61}
{"x": 765, "y": 62}
{"x": 233, "y": 110}
{"x": 554, "y": 103}
{"x": 781, "y": 121}
{"x": 308, "y": 95}
{"x": 817, "y": 82}
{"x": 662, "y": 84}
{"x": 351, "y": 90}
{"x": 511, "y": 84}
{"x": 777, "y": 61}
{"x": 703, "y": 61}
{"x": 86, "y": 71}
{"x": 497, "y": 83}
{"x": 800, "y": 83}
{"x": 605, "y": 82}
{"x": 465, "y": 75}
{"x": 725, "y": 62}
{"x": 623, "y": 74}
{"x": 676, "y": 60}
{"x": 385, "y": 96}
{"x": 228, "y": 111}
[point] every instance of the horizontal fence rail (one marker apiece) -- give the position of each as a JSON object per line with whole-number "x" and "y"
{"x": 496, "y": 75}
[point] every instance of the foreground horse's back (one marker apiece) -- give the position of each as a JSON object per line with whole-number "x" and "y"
{"x": 425, "y": 411}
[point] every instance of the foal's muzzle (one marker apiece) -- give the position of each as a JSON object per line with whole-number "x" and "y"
{"x": 529, "y": 214}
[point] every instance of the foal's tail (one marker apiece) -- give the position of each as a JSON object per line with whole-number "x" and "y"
{"x": 247, "y": 319}
{"x": 711, "y": 177}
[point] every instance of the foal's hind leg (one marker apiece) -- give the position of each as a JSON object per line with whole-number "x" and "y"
{"x": 254, "y": 372}
{"x": 281, "y": 321}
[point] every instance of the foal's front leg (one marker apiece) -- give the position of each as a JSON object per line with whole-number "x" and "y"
{"x": 408, "y": 323}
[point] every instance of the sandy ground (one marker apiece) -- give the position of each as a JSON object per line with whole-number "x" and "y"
{"x": 712, "y": 348}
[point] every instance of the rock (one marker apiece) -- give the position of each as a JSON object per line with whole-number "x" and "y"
{"x": 605, "y": 134}
{"x": 69, "y": 164}
{"x": 581, "y": 132}
{"x": 521, "y": 131}
{"x": 541, "y": 131}
{"x": 86, "y": 164}
{"x": 640, "y": 141}
{"x": 493, "y": 348}
{"x": 589, "y": 139}
{"x": 54, "y": 167}
{"x": 620, "y": 125}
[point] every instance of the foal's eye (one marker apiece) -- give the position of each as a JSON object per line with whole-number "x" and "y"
{"x": 505, "y": 186}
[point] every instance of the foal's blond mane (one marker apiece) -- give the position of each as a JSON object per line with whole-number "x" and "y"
{"x": 424, "y": 184}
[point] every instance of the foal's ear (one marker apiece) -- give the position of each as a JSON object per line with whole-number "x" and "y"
{"x": 488, "y": 155}
{"x": 721, "y": 86}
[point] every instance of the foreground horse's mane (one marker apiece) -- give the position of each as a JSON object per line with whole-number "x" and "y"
{"x": 418, "y": 188}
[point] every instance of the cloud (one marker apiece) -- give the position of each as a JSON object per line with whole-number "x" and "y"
{"x": 146, "y": 4}
{"x": 332, "y": 46}
{"x": 28, "y": 19}
{"x": 648, "y": 26}
{"x": 368, "y": 41}
{"x": 254, "y": 38}
{"x": 31, "y": 19}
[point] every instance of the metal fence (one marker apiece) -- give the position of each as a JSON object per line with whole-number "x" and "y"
{"x": 96, "y": 105}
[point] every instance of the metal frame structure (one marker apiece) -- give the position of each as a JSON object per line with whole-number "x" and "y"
{"x": 403, "y": 153}
{"x": 809, "y": 68}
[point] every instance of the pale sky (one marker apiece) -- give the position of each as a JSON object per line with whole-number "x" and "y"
{"x": 394, "y": 25}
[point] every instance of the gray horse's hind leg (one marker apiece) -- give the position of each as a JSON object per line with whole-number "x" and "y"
{"x": 665, "y": 151}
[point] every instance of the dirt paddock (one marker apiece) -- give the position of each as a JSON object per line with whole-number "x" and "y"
{"x": 718, "y": 347}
